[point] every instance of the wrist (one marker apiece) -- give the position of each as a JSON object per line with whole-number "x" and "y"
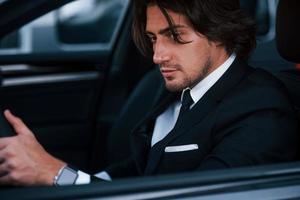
{"x": 56, "y": 175}
{"x": 49, "y": 173}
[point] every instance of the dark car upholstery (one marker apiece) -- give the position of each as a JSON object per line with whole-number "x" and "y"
{"x": 288, "y": 30}
{"x": 288, "y": 45}
{"x": 140, "y": 101}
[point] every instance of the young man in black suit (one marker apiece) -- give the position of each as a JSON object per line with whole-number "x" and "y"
{"x": 215, "y": 111}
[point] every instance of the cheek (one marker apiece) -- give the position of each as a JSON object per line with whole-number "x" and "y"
{"x": 192, "y": 65}
{"x": 193, "y": 54}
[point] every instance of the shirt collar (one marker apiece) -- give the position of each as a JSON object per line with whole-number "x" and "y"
{"x": 204, "y": 85}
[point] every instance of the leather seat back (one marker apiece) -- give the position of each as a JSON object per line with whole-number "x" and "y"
{"x": 288, "y": 45}
{"x": 140, "y": 102}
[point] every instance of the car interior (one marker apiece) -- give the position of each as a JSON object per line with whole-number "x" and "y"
{"x": 288, "y": 45}
{"x": 80, "y": 104}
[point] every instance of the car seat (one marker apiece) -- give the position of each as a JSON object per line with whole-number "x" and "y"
{"x": 288, "y": 45}
{"x": 140, "y": 102}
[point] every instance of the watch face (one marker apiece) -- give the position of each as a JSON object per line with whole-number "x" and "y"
{"x": 68, "y": 176}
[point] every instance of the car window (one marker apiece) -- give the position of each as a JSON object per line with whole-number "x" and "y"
{"x": 265, "y": 55}
{"x": 82, "y": 25}
{"x": 88, "y": 21}
{"x": 263, "y": 12}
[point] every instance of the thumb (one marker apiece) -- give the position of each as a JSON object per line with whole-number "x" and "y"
{"x": 17, "y": 124}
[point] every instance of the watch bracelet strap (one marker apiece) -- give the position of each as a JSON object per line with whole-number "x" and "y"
{"x": 55, "y": 179}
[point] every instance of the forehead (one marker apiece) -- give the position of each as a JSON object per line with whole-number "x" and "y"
{"x": 156, "y": 20}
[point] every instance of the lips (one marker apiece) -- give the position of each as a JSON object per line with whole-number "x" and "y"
{"x": 168, "y": 72}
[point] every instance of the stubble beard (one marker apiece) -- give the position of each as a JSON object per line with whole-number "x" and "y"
{"x": 188, "y": 81}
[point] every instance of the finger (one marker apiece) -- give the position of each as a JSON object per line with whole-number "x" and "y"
{"x": 3, "y": 156}
{"x": 12, "y": 119}
{"x": 5, "y": 179}
{"x": 2, "y": 160}
{"x": 16, "y": 123}
{"x": 3, "y": 169}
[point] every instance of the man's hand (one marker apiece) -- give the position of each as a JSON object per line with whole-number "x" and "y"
{"x": 23, "y": 161}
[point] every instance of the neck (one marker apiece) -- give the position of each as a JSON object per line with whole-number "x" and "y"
{"x": 218, "y": 58}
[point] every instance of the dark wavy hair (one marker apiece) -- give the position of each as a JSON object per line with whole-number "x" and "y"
{"x": 219, "y": 20}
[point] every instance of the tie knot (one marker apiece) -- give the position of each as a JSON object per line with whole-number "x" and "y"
{"x": 186, "y": 100}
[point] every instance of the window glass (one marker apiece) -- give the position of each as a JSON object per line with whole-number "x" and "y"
{"x": 262, "y": 12}
{"x": 10, "y": 41}
{"x": 79, "y": 26}
{"x": 89, "y": 21}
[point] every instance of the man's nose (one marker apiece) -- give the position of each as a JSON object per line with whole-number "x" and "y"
{"x": 161, "y": 53}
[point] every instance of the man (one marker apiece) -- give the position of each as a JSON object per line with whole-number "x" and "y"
{"x": 216, "y": 112}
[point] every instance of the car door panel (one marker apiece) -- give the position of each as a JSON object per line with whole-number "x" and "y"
{"x": 59, "y": 108}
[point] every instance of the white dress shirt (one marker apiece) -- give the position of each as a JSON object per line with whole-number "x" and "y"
{"x": 165, "y": 122}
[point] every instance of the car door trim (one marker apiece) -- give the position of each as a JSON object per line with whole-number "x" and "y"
{"x": 46, "y": 79}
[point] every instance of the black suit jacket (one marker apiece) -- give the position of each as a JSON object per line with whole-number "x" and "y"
{"x": 246, "y": 118}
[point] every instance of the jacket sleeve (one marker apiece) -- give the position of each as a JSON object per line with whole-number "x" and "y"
{"x": 126, "y": 168}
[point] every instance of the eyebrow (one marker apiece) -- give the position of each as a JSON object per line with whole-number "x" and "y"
{"x": 166, "y": 30}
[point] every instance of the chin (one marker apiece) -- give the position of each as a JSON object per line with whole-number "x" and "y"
{"x": 172, "y": 87}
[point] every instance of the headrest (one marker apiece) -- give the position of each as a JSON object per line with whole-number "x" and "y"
{"x": 288, "y": 30}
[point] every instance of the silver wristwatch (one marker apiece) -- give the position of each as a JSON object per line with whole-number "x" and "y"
{"x": 65, "y": 176}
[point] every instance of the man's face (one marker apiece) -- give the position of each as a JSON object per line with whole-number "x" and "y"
{"x": 182, "y": 65}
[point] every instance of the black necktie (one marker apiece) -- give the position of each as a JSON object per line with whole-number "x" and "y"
{"x": 186, "y": 103}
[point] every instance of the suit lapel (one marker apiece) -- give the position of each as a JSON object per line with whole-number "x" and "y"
{"x": 142, "y": 133}
{"x": 165, "y": 99}
{"x": 205, "y": 105}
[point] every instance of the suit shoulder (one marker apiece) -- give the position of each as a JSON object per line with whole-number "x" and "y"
{"x": 269, "y": 84}
{"x": 262, "y": 90}
{"x": 262, "y": 77}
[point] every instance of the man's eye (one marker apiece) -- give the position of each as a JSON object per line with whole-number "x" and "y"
{"x": 174, "y": 36}
{"x": 152, "y": 39}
